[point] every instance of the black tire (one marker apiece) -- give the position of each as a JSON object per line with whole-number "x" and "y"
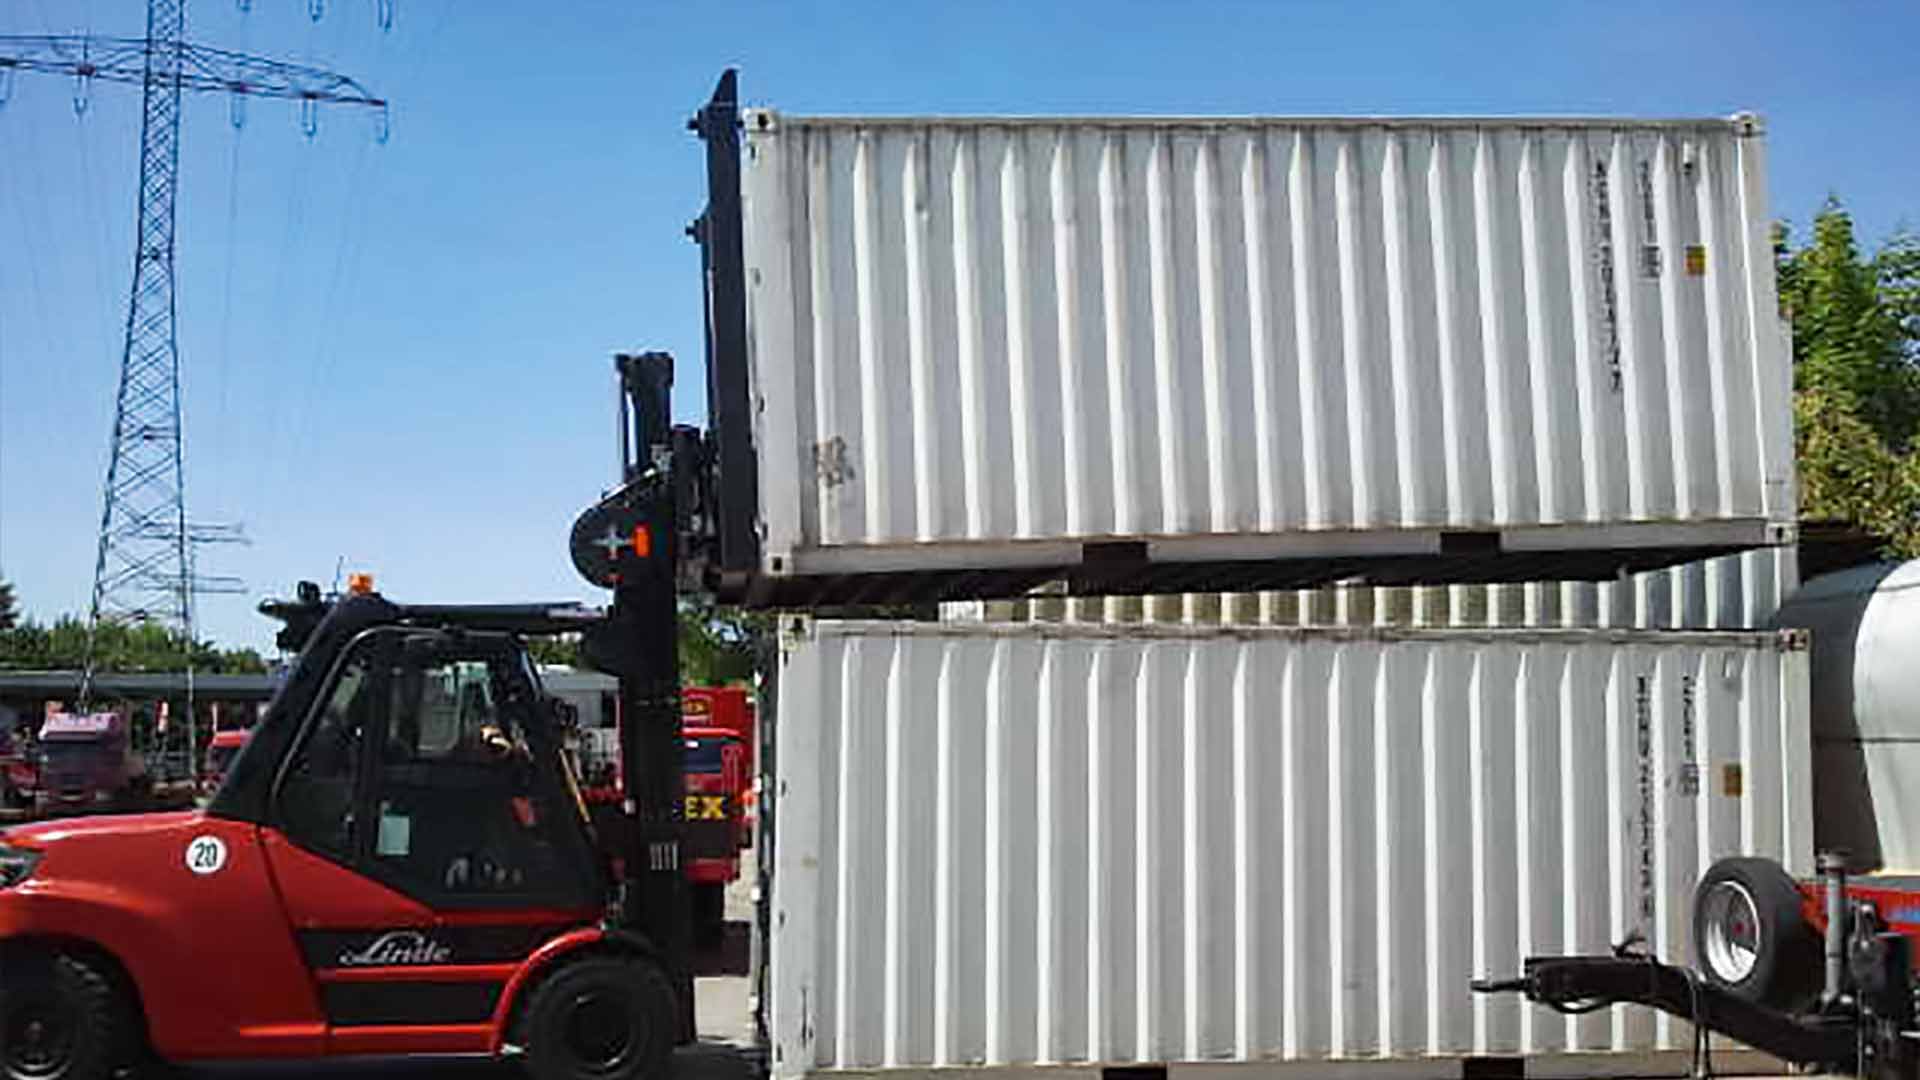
{"x": 62, "y": 1018}
{"x": 709, "y": 915}
{"x": 1749, "y": 936}
{"x": 601, "y": 1018}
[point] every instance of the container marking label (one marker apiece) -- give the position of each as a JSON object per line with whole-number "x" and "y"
{"x": 1733, "y": 781}
{"x": 1643, "y": 724}
{"x": 1689, "y": 779}
{"x": 1650, "y": 248}
{"x": 1603, "y": 254}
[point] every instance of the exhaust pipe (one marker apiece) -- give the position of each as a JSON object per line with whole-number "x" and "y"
{"x": 1833, "y": 867}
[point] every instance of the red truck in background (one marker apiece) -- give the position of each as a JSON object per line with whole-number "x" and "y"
{"x": 221, "y": 750}
{"x": 719, "y": 769}
{"x": 88, "y": 762}
{"x": 718, "y": 723}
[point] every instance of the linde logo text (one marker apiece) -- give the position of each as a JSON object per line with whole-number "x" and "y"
{"x": 398, "y": 947}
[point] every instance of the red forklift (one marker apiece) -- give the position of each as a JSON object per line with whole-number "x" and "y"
{"x": 399, "y": 861}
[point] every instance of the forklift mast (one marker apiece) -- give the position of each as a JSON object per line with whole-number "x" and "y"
{"x": 629, "y": 542}
{"x": 729, "y": 514}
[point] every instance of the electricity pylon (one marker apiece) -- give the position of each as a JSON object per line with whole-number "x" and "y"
{"x": 144, "y": 568}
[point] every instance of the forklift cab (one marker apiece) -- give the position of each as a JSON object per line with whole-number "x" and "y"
{"x": 430, "y": 765}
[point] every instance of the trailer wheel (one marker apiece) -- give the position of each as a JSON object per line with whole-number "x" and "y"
{"x": 1749, "y": 936}
{"x": 602, "y": 1018}
{"x": 62, "y": 1018}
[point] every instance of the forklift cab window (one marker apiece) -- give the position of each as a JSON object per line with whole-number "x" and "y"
{"x": 316, "y": 797}
{"x": 462, "y": 808}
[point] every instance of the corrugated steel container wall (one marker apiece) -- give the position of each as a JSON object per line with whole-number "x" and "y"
{"x": 969, "y": 331}
{"x": 1734, "y": 592}
{"x": 1044, "y": 845}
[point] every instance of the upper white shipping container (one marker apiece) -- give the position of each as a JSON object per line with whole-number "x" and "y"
{"x": 1046, "y": 845}
{"x": 983, "y": 343}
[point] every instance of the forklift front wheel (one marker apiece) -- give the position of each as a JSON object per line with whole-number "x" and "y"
{"x": 62, "y": 1018}
{"x": 602, "y": 1017}
{"x": 1749, "y": 936}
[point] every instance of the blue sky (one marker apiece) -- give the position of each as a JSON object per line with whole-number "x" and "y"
{"x": 396, "y": 356}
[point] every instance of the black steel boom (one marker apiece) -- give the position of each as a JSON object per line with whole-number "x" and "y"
{"x": 124, "y": 60}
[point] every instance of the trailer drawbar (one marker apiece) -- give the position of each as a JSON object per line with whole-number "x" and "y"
{"x": 1816, "y": 973}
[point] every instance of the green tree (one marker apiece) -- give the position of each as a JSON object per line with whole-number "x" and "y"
{"x": 118, "y": 646}
{"x": 9, "y": 614}
{"x": 1849, "y": 474}
{"x": 1850, "y": 341}
{"x": 718, "y": 645}
{"x": 563, "y": 650}
{"x": 1856, "y": 366}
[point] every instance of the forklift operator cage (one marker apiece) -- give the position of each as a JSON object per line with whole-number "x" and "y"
{"x": 954, "y": 358}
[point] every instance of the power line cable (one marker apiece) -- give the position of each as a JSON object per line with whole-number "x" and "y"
{"x": 293, "y": 421}
{"x": 222, "y": 365}
{"x": 345, "y": 269}
{"x": 279, "y": 302}
{"x": 3, "y": 424}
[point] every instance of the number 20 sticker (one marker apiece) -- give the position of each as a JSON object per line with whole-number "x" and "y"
{"x": 206, "y": 855}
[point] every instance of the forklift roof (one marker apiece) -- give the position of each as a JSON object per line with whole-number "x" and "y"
{"x": 321, "y": 631}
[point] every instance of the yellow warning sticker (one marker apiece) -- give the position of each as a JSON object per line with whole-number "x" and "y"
{"x": 1696, "y": 260}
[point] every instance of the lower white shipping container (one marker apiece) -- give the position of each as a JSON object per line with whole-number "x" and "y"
{"x": 1025, "y": 846}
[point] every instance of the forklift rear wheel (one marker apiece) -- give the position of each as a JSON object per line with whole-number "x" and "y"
{"x": 62, "y": 1018}
{"x": 604, "y": 1017}
{"x": 1749, "y": 936}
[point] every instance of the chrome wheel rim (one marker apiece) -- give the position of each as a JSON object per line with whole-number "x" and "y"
{"x": 39, "y": 1041}
{"x": 1731, "y": 925}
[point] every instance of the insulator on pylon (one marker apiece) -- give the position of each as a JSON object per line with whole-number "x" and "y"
{"x": 82, "y": 92}
{"x": 316, "y": 8}
{"x": 6, "y": 83}
{"x": 309, "y": 117}
{"x": 382, "y": 126}
{"x": 244, "y": 5}
{"x": 237, "y": 108}
{"x": 384, "y": 12}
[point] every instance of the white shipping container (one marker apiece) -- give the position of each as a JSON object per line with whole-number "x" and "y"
{"x": 1018, "y": 846}
{"x": 981, "y": 343}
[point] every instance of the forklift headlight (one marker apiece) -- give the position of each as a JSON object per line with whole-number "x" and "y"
{"x": 16, "y": 865}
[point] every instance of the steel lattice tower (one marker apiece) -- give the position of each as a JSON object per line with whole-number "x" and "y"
{"x": 144, "y": 568}
{"x": 143, "y": 521}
